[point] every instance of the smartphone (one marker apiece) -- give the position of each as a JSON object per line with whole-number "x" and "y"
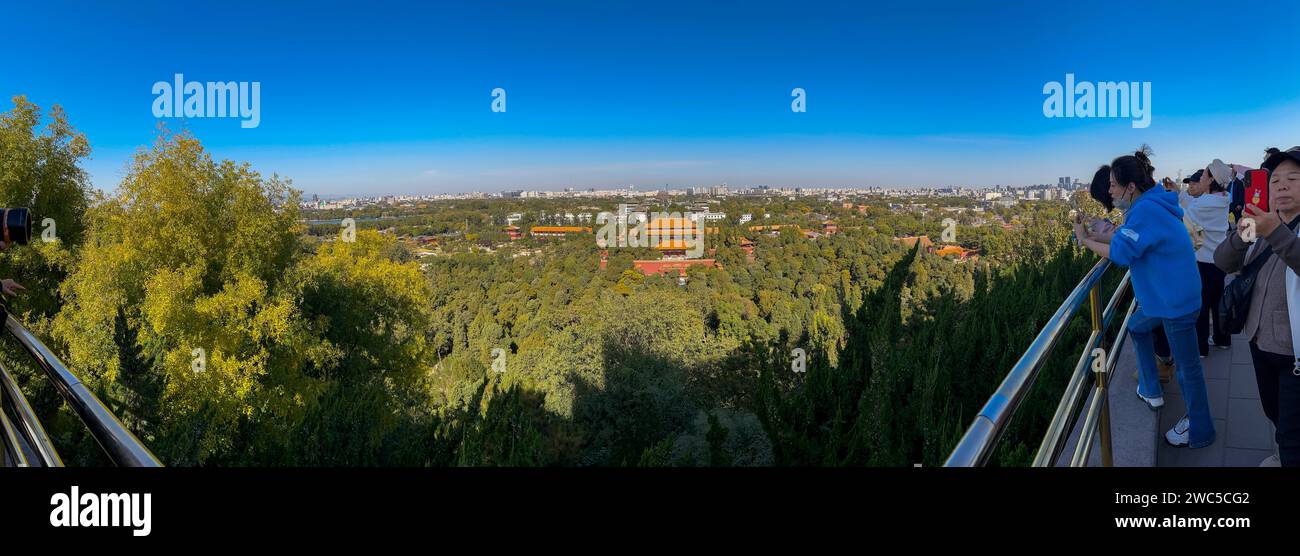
{"x": 1257, "y": 189}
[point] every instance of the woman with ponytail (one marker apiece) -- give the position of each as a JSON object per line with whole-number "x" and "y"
{"x": 1155, "y": 246}
{"x": 1101, "y": 230}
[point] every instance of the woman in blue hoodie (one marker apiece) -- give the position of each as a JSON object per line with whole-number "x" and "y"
{"x": 1155, "y": 246}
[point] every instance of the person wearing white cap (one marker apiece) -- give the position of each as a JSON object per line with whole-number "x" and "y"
{"x": 1221, "y": 172}
{"x": 1205, "y": 212}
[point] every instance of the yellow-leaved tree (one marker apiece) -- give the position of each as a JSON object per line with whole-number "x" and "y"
{"x": 197, "y": 308}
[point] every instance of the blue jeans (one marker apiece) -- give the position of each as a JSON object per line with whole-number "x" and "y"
{"x": 1181, "y": 332}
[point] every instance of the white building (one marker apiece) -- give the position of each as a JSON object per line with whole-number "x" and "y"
{"x": 709, "y": 216}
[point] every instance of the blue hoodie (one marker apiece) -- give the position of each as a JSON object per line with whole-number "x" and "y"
{"x": 1155, "y": 246}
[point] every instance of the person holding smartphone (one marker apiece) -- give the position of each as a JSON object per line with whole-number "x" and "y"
{"x": 1102, "y": 230}
{"x": 1273, "y": 316}
{"x": 1155, "y": 246}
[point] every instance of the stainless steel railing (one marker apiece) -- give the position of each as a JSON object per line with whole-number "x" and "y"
{"x": 122, "y": 447}
{"x": 32, "y": 435}
{"x": 981, "y": 438}
{"x": 1089, "y": 380}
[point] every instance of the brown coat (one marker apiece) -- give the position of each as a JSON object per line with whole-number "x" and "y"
{"x": 1267, "y": 322}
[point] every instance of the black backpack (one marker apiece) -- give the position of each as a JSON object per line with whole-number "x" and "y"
{"x": 1235, "y": 303}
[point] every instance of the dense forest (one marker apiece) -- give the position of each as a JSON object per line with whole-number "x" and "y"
{"x": 322, "y": 352}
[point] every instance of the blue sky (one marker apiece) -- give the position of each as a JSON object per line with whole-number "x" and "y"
{"x": 383, "y": 97}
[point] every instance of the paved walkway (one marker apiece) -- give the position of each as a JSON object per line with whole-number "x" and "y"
{"x": 1244, "y": 434}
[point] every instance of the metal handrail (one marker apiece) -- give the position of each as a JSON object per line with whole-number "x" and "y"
{"x": 1067, "y": 411}
{"x": 122, "y": 447}
{"x": 977, "y": 445}
{"x": 27, "y": 424}
{"x": 13, "y": 451}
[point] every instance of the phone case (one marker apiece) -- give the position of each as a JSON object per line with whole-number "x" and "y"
{"x": 1257, "y": 190}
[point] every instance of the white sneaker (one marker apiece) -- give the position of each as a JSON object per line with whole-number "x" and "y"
{"x": 1178, "y": 436}
{"x": 1153, "y": 403}
{"x": 1271, "y": 461}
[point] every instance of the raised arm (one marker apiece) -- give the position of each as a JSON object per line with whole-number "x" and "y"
{"x": 1230, "y": 255}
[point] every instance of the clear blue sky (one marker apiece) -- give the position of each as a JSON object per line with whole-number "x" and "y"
{"x": 380, "y": 97}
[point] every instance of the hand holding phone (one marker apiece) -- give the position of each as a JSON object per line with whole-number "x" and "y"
{"x": 1257, "y": 189}
{"x": 1265, "y": 222}
{"x": 1076, "y": 227}
{"x": 1102, "y": 230}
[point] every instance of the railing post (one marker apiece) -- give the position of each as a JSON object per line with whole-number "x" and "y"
{"x": 1102, "y": 378}
{"x": 1094, "y": 305}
